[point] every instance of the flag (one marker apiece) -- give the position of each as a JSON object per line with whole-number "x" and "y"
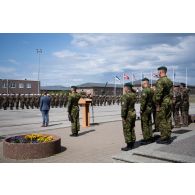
{"x": 155, "y": 74}
{"x": 174, "y": 75}
{"x": 125, "y": 76}
{"x": 117, "y": 78}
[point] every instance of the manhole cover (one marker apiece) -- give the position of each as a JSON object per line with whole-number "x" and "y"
{"x": 181, "y": 131}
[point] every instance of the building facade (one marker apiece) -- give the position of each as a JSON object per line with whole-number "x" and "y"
{"x": 9, "y": 86}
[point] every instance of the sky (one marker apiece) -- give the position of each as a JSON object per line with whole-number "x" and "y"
{"x": 71, "y": 59}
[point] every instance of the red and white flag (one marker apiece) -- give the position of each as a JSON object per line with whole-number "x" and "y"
{"x": 125, "y": 76}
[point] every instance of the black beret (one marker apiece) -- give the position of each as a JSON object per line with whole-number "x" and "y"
{"x": 183, "y": 84}
{"x": 73, "y": 87}
{"x": 145, "y": 79}
{"x": 128, "y": 85}
{"x": 176, "y": 85}
{"x": 163, "y": 68}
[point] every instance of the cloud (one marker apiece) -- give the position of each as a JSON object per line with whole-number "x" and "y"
{"x": 6, "y": 69}
{"x": 13, "y": 61}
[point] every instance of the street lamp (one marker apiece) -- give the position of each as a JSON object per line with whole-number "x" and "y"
{"x": 39, "y": 52}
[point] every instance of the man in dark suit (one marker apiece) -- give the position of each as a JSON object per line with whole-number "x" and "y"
{"x": 44, "y": 108}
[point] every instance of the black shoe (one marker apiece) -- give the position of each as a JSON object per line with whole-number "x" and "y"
{"x": 144, "y": 142}
{"x": 164, "y": 141}
{"x": 74, "y": 134}
{"x": 128, "y": 147}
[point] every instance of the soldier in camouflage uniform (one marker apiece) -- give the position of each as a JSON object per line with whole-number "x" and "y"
{"x": 184, "y": 104}
{"x": 56, "y": 100}
{"x": 22, "y": 101}
{"x": 52, "y": 100}
{"x": 32, "y": 101}
{"x": 163, "y": 101}
{"x": 17, "y": 101}
{"x": 128, "y": 115}
{"x": 153, "y": 90}
{"x": 176, "y": 105}
{"x": 146, "y": 112}
{"x": 73, "y": 111}
{"x": 5, "y": 101}
{"x": 65, "y": 100}
{"x": 1, "y": 101}
{"x": 11, "y": 101}
{"x": 27, "y": 101}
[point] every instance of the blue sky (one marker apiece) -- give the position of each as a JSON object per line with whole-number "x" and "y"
{"x": 69, "y": 59}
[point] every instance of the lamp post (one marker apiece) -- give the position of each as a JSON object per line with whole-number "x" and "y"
{"x": 39, "y": 52}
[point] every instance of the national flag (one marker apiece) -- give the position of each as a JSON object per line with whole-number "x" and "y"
{"x": 125, "y": 76}
{"x": 155, "y": 74}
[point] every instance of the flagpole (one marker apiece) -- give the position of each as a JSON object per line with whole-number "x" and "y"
{"x": 115, "y": 86}
{"x": 141, "y": 81}
{"x": 151, "y": 78}
{"x": 186, "y": 78}
{"x": 173, "y": 77}
{"x": 123, "y": 83}
{"x": 132, "y": 78}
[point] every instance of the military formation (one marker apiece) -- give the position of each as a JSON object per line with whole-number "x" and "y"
{"x": 162, "y": 103}
{"x": 105, "y": 100}
{"x": 30, "y": 101}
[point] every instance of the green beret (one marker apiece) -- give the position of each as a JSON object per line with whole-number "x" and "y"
{"x": 163, "y": 68}
{"x": 128, "y": 85}
{"x": 73, "y": 87}
{"x": 145, "y": 79}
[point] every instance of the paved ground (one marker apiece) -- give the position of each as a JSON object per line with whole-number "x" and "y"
{"x": 95, "y": 144}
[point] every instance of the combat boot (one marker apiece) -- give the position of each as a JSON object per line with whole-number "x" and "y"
{"x": 128, "y": 147}
{"x": 164, "y": 141}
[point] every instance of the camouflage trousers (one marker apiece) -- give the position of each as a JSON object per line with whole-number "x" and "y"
{"x": 146, "y": 124}
{"x": 164, "y": 121}
{"x": 176, "y": 116}
{"x": 185, "y": 113}
{"x": 128, "y": 127}
{"x": 75, "y": 125}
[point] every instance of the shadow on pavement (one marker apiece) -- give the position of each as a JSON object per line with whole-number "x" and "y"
{"x": 63, "y": 149}
{"x": 55, "y": 124}
{"x": 85, "y": 132}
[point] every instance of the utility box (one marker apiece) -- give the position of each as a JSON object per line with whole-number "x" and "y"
{"x": 84, "y": 103}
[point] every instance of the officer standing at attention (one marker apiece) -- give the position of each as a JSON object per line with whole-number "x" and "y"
{"x": 146, "y": 112}
{"x": 163, "y": 101}
{"x": 73, "y": 111}
{"x": 128, "y": 115}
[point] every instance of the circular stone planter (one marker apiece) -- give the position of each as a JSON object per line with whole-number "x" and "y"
{"x": 22, "y": 151}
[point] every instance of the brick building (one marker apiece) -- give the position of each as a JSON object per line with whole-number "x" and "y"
{"x": 10, "y": 86}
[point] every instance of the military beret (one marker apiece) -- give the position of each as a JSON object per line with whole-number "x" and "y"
{"x": 73, "y": 87}
{"x": 183, "y": 84}
{"x": 128, "y": 85}
{"x": 145, "y": 79}
{"x": 163, "y": 68}
{"x": 176, "y": 85}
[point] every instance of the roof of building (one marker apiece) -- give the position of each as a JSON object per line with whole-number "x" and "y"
{"x": 87, "y": 85}
{"x": 55, "y": 88}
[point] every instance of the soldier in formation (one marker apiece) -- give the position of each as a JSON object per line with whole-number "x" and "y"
{"x": 128, "y": 115}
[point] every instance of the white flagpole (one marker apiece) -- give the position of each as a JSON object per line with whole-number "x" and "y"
{"x": 186, "y": 78}
{"x": 141, "y": 81}
{"x": 151, "y": 78}
{"x": 132, "y": 78}
{"x": 115, "y": 86}
{"x": 123, "y": 83}
{"x": 173, "y": 77}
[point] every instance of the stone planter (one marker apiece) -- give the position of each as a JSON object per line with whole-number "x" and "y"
{"x": 22, "y": 151}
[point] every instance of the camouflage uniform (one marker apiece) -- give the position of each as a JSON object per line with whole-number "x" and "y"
{"x": 11, "y": 101}
{"x": 32, "y": 101}
{"x": 57, "y": 100}
{"x": 146, "y": 113}
{"x": 5, "y": 102}
{"x": 37, "y": 101}
{"x": 17, "y": 101}
{"x": 22, "y": 101}
{"x": 27, "y": 101}
{"x": 1, "y": 101}
{"x": 52, "y": 101}
{"x": 185, "y": 106}
{"x": 176, "y": 107}
{"x": 163, "y": 101}
{"x": 128, "y": 115}
{"x": 73, "y": 111}
{"x": 61, "y": 100}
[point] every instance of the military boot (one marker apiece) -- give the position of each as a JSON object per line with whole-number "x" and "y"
{"x": 128, "y": 147}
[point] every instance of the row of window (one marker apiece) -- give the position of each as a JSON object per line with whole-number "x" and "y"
{"x": 21, "y": 85}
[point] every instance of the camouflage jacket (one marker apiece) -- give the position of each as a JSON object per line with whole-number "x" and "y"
{"x": 127, "y": 104}
{"x": 146, "y": 99}
{"x": 73, "y": 101}
{"x": 185, "y": 95}
{"x": 163, "y": 91}
{"x": 176, "y": 97}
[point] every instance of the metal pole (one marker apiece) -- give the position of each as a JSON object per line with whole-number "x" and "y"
{"x": 7, "y": 87}
{"x": 141, "y": 81}
{"x": 186, "y": 78}
{"x": 173, "y": 77}
{"x": 151, "y": 78}
{"x": 123, "y": 83}
{"x": 115, "y": 86}
{"x": 39, "y": 51}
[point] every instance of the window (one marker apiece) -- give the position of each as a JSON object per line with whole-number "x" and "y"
{"x": 21, "y": 85}
{"x": 28, "y": 85}
{"x": 13, "y": 85}
{"x": 4, "y": 85}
